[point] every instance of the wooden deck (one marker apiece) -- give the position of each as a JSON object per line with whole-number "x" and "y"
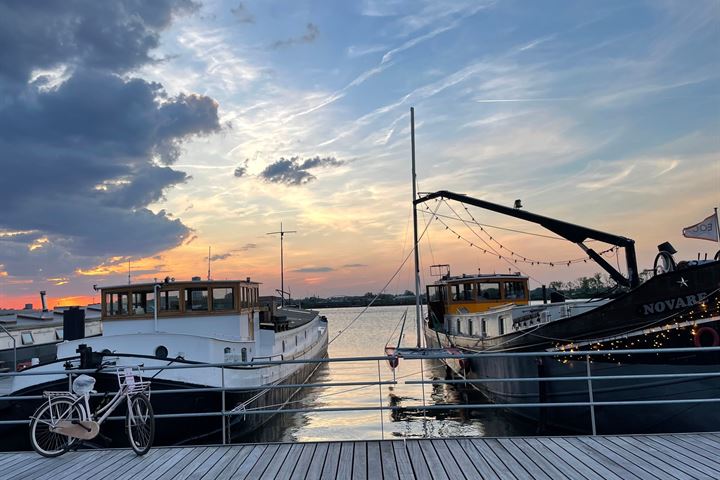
{"x": 677, "y": 457}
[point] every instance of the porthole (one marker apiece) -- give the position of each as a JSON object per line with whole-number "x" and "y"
{"x": 161, "y": 352}
{"x": 227, "y": 350}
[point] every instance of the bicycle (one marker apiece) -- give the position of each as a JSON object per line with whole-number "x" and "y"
{"x": 66, "y": 418}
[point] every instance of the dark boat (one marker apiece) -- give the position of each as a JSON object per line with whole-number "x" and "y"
{"x": 677, "y": 307}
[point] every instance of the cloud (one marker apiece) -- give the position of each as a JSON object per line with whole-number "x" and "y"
{"x": 117, "y": 36}
{"x": 354, "y": 265}
{"x": 87, "y": 148}
{"x": 314, "y": 270}
{"x": 241, "y": 170}
{"x": 245, "y": 248}
{"x": 311, "y": 33}
{"x": 242, "y": 14}
{"x": 292, "y": 171}
{"x": 219, "y": 256}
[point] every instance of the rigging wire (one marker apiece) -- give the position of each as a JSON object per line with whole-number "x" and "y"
{"x": 407, "y": 257}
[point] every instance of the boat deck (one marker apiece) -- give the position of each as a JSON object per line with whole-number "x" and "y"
{"x": 682, "y": 456}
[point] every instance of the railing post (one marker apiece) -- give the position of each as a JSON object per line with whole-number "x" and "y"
{"x": 222, "y": 382}
{"x": 382, "y": 421}
{"x": 14, "y": 369}
{"x": 590, "y": 393}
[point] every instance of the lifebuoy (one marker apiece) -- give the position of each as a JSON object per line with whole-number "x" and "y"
{"x": 706, "y": 332}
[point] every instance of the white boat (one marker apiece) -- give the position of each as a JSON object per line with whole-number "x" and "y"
{"x": 195, "y": 323}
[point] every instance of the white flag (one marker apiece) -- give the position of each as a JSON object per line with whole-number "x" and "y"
{"x": 705, "y": 230}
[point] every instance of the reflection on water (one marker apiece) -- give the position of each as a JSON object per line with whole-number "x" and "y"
{"x": 367, "y": 337}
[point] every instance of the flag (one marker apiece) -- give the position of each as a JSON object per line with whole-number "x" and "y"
{"x": 705, "y": 230}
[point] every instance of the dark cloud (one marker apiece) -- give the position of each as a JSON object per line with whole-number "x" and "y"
{"x": 293, "y": 171}
{"x": 219, "y": 256}
{"x": 116, "y": 36}
{"x": 245, "y": 248}
{"x": 311, "y": 33}
{"x": 242, "y": 14}
{"x": 314, "y": 270}
{"x": 83, "y": 157}
{"x": 354, "y": 265}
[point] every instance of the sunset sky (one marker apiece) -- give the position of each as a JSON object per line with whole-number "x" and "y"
{"x": 144, "y": 132}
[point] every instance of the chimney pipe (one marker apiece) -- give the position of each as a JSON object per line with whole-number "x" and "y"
{"x": 42, "y": 299}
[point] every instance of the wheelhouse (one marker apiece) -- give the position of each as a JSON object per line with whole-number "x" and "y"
{"x": 179, "y": 299}
{"x": 475, "y": 293}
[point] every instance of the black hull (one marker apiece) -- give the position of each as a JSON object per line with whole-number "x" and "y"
{"x": 631, "y": 321}
{"x": 168, "y": 431}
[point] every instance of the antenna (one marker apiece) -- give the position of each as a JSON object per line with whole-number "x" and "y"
{"x": 209, "y": 263}
{"x": 282, "y": 266}
{"x": 129, "y": 282}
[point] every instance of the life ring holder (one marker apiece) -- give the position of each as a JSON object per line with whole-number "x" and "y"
{"x": 697, "y": 338}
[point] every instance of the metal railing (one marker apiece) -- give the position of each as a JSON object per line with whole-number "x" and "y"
{"x": 5, "y": 330}
{"x": 585, "y": 357}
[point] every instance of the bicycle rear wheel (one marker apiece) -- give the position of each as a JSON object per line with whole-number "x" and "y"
{"x": 140, "y": 423}
{"x": 43, "y": 438}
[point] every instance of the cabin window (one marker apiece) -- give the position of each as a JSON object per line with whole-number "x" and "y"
{"x": 227, "y": 350}
{"x": 501, "y": 326}
{"x": 514, "y": 290}
{"x": 467, "y": 292}
{"x": 170, "y": 300}
{"x": 223, "y": 298}
{"x": 489, "y": 291}
{"x": 116, "y": 303}
{"x": 458, "y": 327}
{"x": 59, "y": 334}
{"x": 142, "y": 303}
{"x": 196, "y": 299}
{"x": 483, "y": 328}
{"x": 243, "y": 354}
{"x": 243, "y": 297}
{"x": 470, "y": 329}
{"x": 455, "y": 293}
{"x": 27, "y": 338}
{"x": 161, "y": 352}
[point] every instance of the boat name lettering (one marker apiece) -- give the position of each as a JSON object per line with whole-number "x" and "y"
{"x": 673, "y": 303}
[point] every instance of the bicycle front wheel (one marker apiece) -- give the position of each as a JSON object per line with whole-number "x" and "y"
{"x": 140, "y": 422}
{"x": 43, "y": 437}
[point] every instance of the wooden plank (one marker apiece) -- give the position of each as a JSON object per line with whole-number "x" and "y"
{"x": 672, "y": 452}
{"x": 417, "y": 460}
{"x": 402, "y": 459}
{"x": 303, "y": 462}
{"x": 31, "y": 463}
{"x": 387, "y": 458}
{"x": 278, "y": 459}
{"x": 161, "y": 458}
{"x": 628, "y": 459}
{"x": 191, "y": 466}
{"x": 214, "y": 471}
{"x": 53, "y": 468}
{"x": 511, "y": 463}
{"x": 200, "y": 466}
{"x": 262, "y": 462}
{"x": 134, "y": 465}
{"x": 587, "y": 456}
{"x": 435, "y": 465}
{"x": 374, "y": 461}
{"x": 237, "y": 459}
{"x": 609, "y": 459}
{"x": 491, "y": 458}
{"x": 113, "y": 459}
{"x": 345, "y": 465}
{"x": 189, "y": 457}
{"x": 448, "y": 459}
{"x": 249, "y": 463}
{"x": 9, "y": 459}
{"x": 329, "y": 470}
{"x": 650, "y": 455}
{"x": 177, "y": 456}
{"x": 359, "y": 470}
{"x": 707, "y": 440}
{"x": 469, "y": 459}
{"x": 318, "y": 461}
{"x": 538, "y": 466}
{"x": 714, "y": 437}
{"x": 691, "y": 457}
{"x": 692, "y": 443}
{"x": 567, "y": 464}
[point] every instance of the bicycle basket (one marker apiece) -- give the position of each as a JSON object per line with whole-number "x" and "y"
{"x": 131, "y": 378}
{"x": 83, "y": 384}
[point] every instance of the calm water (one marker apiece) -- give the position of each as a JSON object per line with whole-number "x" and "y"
{"x": 367, "y": 337}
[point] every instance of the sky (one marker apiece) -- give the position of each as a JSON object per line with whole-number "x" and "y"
{"x": 134, "y": 135}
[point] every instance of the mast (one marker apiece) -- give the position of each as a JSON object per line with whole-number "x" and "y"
{"x": 282, "y": 261}
{"x": 418, "y": 313}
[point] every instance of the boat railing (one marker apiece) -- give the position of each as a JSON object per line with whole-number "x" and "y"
{"x": 587, "y": 358}
{"x": 14, "y": 342}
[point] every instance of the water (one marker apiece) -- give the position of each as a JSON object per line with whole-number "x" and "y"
{"x": 368, "y": 337}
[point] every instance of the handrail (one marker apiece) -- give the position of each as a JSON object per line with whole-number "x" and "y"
{"x": 586, "y": 376}
{"x": 14, "y": 369}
